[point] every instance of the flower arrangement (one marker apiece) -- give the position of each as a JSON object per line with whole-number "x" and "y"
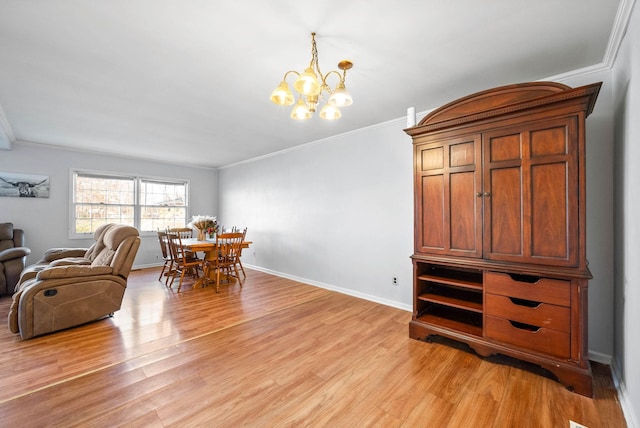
{"x": 204, "y": 224}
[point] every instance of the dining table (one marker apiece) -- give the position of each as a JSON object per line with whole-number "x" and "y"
{"x": 209, "y": 248}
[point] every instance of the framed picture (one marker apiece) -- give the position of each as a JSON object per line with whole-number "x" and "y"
{"x": 24, "y": 185}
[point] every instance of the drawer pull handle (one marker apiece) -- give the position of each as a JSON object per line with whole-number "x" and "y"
{"x": 523, "y": 326}
{"x": 530, "y": 279}
{"x": 523, "y": 302}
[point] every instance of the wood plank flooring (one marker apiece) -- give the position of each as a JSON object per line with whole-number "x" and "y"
{"x": 274, "y": 353}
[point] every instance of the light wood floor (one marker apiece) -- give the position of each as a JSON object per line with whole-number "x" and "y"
{"x": 274, "y": 353}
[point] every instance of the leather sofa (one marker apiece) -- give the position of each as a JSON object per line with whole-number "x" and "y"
{"x": 13, "y": 257}
{"x": 73, "y": 286}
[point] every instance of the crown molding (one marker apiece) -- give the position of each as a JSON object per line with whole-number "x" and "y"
{"x": 618, "y": 31}
{"x": 110, "y": 154}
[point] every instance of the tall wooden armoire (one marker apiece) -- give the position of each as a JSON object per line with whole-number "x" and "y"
{"x": 500, "y": 252}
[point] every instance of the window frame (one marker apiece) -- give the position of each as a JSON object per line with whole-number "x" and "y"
{"x": 137, "y": 189}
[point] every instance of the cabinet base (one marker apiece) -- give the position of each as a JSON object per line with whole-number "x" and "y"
{"x": 575, "y": 376}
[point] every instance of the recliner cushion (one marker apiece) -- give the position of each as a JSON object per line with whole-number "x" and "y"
{"x": 6, "y": 231}
{"x": 112, "y": 240}
{"x": 104, "y": 258}
{"x": 114, "y": 237}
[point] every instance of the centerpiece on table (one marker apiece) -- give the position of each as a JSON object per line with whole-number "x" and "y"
{"x": 205, "y": 224}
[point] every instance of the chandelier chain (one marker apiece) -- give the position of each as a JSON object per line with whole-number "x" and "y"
{"x": 316, "y": 62}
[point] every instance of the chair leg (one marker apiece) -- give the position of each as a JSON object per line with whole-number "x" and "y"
{"x": 235, "y": 267}
{"x": 170, "y": 273}
{"x": 181, "y": 278}
{"x": 205, "y": 273}
{"x": 173, "y": 277}
{"x": 164, "y": 266}
{"x": 242, "y": 268}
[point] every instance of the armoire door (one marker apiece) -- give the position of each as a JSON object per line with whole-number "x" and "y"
{"x": 531, "y": 193}
{"x": 448, "y": 210}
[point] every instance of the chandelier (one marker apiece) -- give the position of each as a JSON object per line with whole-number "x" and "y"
{"x": 310, "y": 86}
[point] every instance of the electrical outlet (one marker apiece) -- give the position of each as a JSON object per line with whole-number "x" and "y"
{"x": 575, "y": 425}
{"x": 395, "y": 280}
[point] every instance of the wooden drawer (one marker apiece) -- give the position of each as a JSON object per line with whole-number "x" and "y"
{"x": 546, "y": 290}
{"x": 542, "y": 339}
{"x": 529, "y": 312}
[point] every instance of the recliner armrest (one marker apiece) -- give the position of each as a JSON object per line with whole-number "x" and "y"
{"x": 59, "y": 253}
{"x": 73, "y": 271}
{"x": 70, "y": 261}
{"x": 14, "y": 253}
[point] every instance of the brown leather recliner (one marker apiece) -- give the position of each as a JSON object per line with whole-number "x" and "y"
{"x": 82, "y": 287}
{"x": 13, "y": 257}
{"x": 68, "y": 256}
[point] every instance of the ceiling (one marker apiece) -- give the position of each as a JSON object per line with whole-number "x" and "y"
{"x": 188, "y": 81}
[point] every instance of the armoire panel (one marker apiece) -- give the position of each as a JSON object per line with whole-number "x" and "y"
{"x": 505, "y": 213}
{"x": 462, "y": 188}
{"x": 549, "y": 211}
{"x": 433, "y": 206}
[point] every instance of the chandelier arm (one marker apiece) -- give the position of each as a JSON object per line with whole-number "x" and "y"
{"x": 287, "y": 74}
{"x": 326, "y": 76}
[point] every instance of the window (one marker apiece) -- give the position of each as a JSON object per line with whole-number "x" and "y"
{"x": 162, "y": 204}
{"x": 148, "y": 204}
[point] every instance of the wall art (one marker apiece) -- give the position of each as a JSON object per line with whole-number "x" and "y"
{"x": 24, "y": 185}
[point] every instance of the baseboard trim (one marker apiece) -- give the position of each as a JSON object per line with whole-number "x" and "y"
{"x": 625, "y": 402}
{"x": 148, "y": 265}
{"x": 599, "y": 357}
{"x": 341, "y": 290}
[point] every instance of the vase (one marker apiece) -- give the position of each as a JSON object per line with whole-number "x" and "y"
{"x": 202, "y": 235}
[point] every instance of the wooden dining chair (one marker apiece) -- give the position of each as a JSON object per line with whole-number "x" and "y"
{"x": 183, "y": 261}
{"x": 167, "y": 267}
{"x": 239, "y": 258}
{"x": 229, "y": 246}
{"x": 184, "y": 232}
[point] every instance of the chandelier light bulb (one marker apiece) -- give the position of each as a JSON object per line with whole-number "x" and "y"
{"x": 330, "y": 112}
{"x": 307, "y": 83}
{"x": 301, "y": 111}
{"x": 340, "y": 97}
{"x": 282, "y": 95}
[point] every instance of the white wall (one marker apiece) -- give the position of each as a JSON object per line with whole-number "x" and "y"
{"x": 626, "y": 95}
{"x": 337, "y": 213}
{"x": 45, "y": 220}
{"x": 599, "y": 153}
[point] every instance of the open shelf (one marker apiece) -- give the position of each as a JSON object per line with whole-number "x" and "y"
{"x": 455, "y": 277}
{"x": 457, "y": 320}
{"x": 453, "y": 297}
